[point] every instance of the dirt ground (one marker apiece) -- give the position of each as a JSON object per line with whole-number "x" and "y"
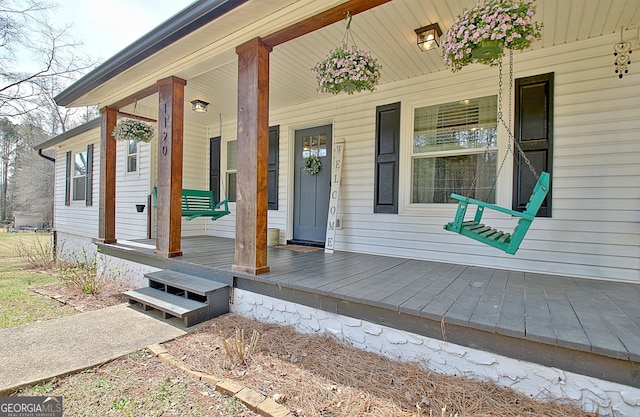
{"x": 310, "y": 375}
{"x": 110, "y": 294}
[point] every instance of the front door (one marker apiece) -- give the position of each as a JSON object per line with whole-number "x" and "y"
{"x": 311, "y": 201}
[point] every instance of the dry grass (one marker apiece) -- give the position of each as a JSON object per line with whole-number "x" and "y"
{"x": 138, "y": 385}
{"x": 317, "y": 376}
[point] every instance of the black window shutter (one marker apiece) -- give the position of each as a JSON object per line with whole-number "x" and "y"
{"x": 67, "y": 181}
{"x": 89, "y": 178}
{"x": 214, "y": 167}
{"x": 534, "y": 134}
{"x": 272, "y": 179}
{"x": 387, "y": 158}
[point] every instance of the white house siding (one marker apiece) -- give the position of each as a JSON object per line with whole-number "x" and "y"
{"x": 195, "y": 170}
{"x": 594, "y": 231}
{"x": 78, "y": 218}
{"x": 277, "y": 219}
{"x": 225, "y": 226}
{"x": 132, "y": 188}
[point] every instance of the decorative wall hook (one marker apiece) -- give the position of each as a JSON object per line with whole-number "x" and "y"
{"x": 622, "y": 50}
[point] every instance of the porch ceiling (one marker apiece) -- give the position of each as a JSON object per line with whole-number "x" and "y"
{"x": 207, "y": 59}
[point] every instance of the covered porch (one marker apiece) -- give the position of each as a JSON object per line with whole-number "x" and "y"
{"x": 578, "y": 325}
{"x": 257, "y": 76}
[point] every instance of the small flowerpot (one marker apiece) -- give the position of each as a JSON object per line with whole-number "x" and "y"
{"x": 488, "y": 49}
{"x": 140, "y": 208}
{"x": 349, "y": 86}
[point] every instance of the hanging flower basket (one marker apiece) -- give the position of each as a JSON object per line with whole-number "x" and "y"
{"x": 132, "y": 129}
{"x": 481, "y": 33}
{"x": 347, "y": 69}
{"x": 312, "y": 164}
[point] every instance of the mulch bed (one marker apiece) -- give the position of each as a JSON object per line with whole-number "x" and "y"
{"x": 318, "y": 376}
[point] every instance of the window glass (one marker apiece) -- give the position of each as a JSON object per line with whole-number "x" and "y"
{"x": 79, "y": 175}
{"x": 231, "y": 181}
{"x": 454, "y": 150}
{"x": 132, "y": 156}
{"x": 232, "y": 165}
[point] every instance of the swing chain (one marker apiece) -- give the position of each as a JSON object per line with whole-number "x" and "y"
{"x": 501, "y": 120}
{"x": 510, "y": 135}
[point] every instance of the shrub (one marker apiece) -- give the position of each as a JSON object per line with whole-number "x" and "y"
{"x": 81, "y": 273}
{"x": 37, "y": 252}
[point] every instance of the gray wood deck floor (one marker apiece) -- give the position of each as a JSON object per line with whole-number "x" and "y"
{"x": 591, "y": 316}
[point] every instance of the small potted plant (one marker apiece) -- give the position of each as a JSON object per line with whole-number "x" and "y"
{"x": 480, "y": 34}
{"x": 132, "y": 129}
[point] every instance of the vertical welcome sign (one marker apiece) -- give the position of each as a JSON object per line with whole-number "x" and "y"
{"x": 336, "y": 173}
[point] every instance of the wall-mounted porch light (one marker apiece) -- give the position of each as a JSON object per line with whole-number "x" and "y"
{"x": 428, "y": 37}
{"x": 199, "y": 106}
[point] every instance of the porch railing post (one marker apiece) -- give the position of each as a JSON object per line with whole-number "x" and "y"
{"x": 253, "y": 152}
{"x": 170, "y": 151}
{"x": 107, "y": 199}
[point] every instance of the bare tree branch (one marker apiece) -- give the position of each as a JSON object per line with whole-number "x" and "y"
{"x": 25, "y": 30}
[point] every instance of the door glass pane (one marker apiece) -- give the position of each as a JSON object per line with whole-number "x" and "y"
{"x": 322, "y": 145}
{"x": 314, "y": 145}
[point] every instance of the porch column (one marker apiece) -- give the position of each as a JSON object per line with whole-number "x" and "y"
{"x": 253, "y": 152}
{"x": 107, "y": 207}
{"x": 169, "y": 181}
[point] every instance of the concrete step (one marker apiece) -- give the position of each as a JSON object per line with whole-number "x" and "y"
{"x": 191, "y": 311}
{"x": 190, "y": 283}
{"x": 191, "y": 298}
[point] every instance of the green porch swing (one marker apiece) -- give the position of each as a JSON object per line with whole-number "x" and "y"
{"x": 475, "y": 229}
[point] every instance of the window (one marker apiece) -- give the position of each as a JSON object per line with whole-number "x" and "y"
{"x": 132, "y": 156}
{"x": 78, "y": 181}
{"x": 232, "y": 165}
{"x": 79, "y": 176}
{"x": 454, "y": 150}
{"x": 231, "y": 168}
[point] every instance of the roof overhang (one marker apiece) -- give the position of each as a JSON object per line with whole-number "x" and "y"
{"x": 185, "y": 22}
{"x": 199, "y": 46}
{"x": 48, "y": 144}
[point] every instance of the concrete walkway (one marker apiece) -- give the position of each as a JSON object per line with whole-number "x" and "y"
{"x": 39, "y": 351}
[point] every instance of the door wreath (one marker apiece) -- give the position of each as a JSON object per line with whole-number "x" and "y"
{"x": 312, "y": 164}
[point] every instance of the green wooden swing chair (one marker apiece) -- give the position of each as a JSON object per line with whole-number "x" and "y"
{"x": 475, "y": 229}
